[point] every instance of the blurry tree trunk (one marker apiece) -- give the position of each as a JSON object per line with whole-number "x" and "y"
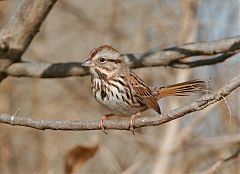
{"x": 163, "y": 163}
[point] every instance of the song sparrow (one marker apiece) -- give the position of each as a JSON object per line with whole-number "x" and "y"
{"x": 116, "y": 87}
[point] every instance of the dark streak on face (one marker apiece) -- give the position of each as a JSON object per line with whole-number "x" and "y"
{"x": 101, "y": 75}
{"x": 117, "y": 61}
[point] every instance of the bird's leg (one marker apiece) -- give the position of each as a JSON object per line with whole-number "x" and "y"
{"x": 131, "y": 122}
{"x": 102, "y": 120}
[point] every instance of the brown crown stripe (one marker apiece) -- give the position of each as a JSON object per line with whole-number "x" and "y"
{"x": 96, "y": 50}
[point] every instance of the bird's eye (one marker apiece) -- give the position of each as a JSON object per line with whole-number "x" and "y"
{"x": 102, "y": 59}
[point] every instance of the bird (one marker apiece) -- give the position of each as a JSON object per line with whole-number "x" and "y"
{"x": 115, "y": 86}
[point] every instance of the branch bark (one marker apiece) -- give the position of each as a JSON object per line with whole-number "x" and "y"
{"x": 18, "y": 33}
{"x": 198, "y": 105}
{"x": 173, "y": 57}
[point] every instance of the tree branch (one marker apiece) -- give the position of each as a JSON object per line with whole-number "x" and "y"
{"x": 172, "y": 57}
{"x": 198, "y": 105}
{"x": 18, "y": 33}
{"x": 191, "y": 64}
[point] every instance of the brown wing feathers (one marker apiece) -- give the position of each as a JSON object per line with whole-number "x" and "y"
{"x": 182, "y": 89}
{"x": 143, "y": 92}
{"x": 147, "y": 98}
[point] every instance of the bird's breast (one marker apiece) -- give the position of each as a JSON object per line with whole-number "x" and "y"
{"x": 116, "y": 96}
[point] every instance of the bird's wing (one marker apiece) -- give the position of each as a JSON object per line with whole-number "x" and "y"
{"x": 143, "y": 93}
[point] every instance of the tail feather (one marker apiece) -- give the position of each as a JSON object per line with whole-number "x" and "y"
{"x": 182, "y": 89}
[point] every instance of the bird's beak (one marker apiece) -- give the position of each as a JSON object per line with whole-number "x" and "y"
{"x": 87, "y": 63}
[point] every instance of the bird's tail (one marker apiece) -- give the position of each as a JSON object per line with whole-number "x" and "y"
{"x": 181, "y": 89}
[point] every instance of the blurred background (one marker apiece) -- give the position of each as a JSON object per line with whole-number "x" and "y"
{"x": 72, "y": 29}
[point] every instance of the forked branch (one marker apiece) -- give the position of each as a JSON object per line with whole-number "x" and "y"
{"x": 18, "y": 33}
{"x": 174, "y": 57}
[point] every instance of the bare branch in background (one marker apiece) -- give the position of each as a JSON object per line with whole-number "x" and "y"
{"x": 228, "y": 139}
{"x": 214, "y": 60}
{"x": 18, "y": 33}
{"x": 219, "y": 164}
{"x": 81, "y": 17}
{"x": 172, "y": 57}
{"x": 198, "y": 105}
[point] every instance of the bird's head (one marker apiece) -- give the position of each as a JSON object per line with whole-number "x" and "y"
{"x": 104, "y": 61}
